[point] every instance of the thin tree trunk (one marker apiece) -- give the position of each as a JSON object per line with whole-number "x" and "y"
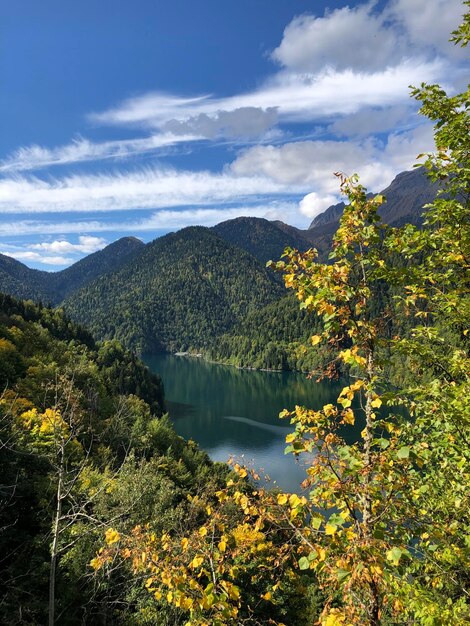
{"x": 368, "y": 436}
{"x": 55, "y": 540}
{"x": 367, "y": 497}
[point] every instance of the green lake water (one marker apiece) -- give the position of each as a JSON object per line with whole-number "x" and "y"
{"x": 233, "y": 412}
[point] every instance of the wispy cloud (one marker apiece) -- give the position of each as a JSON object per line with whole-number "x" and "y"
{"x": 162, "y": 220}
{"x": 258, "y": 175}
{"x": 297, "y": 97}
{"x": 82, "y": 150}
{"x": 141, "y": 189}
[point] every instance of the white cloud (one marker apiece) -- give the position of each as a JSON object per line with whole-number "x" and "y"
{"x": 297, "y": 97}
{"x": 313, "y": 204}
{"x": 366, "y": 39}
{"x": 429, "y": 23}
{"x": 80, "y": 150}
{"x": 261, "y": 172}
{"x": 313, "y": 163}
{"x": 345, "y": 38}
{"x": 38, "y": 258}
{"x": 162, "y": 220}
{"x": 370, "y": 121}
{"x": 86, "y": 245}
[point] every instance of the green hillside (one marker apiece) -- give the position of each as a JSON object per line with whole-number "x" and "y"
{"x": 20, "y": 281}
{"x": 263, "y": 239}
{"x": 182, "y": 291}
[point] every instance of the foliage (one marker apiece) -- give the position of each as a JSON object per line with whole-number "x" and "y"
{"x": 20, "y": 281}
{"x": 183, "y": 291}
{"x": 82, "y": 443}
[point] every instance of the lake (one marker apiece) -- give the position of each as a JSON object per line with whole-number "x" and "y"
{"x": 233, "y": 412}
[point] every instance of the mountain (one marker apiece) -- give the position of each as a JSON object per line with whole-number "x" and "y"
{"x": 406, "y": 195}
{"x": 331, "y": 215}
{"x": 187, "y": 289}
{"x": 181, "y": 291}
{"x": 94, "y": 265}
{"x": 263, "y": 239}
{"x": 19, "y": 280}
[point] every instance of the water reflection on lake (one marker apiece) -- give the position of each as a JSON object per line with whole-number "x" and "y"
{"x": 232, "y": 412}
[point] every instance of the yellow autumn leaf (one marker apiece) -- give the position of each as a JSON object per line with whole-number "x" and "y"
{"x": 348, "y": 416}
{"x": 96, "y": 563}
{"x": 282, "y": 499}
{"x": 197, "y": 562}
{"x": 315, "y": 339}
{"x": 112, "y": 536}
{"x": 203, "y": 531}
{"x": 295, "y": 501}
{"x": 330, "y": 529}
{"x": 267, "y": 596}
{"x": 376, "y": 403}
{"x": 184, "y": 544}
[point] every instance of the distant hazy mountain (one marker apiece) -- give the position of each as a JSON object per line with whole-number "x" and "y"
{"x": 329, "y": 216}
{"x": 406, "y": 195}
{"x": 263, "y": 239}
{"x": 19, "y": 280}
{"x": 182, "y": 291}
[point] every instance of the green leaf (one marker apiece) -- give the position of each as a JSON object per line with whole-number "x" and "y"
{"x": 403, "y": 453}
{"x": 341, "y": 574}
{"x": 304, "y": 563}
{"x": 394, "y": 555}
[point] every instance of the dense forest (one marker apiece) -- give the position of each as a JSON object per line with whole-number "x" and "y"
{"x": 181, "y": 292}
{"x": 274, "y": 337}
{"x": 84, "y": 443}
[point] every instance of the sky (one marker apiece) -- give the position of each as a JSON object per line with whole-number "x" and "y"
{"x": 140, "y": 117}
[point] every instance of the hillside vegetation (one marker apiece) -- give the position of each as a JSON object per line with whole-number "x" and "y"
{"x": 182, "y": 291}
{"x": 20, "y": 281}
{"x": 84, "y": 444}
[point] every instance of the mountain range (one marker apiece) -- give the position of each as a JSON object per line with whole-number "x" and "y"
{"x": 185, "y": 289}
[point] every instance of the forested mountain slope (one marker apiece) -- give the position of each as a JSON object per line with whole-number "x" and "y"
{"x": 81, "y": 426}
{"x": 263, "y": 239}
{"x": 19, "y": 280}
{"x": 274, "y": 337}
{"x": 94, "y": 265}
{"x": 182, "y": 291}
{"x": 52, "y": 287}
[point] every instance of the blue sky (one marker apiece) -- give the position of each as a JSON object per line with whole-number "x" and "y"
{"x": 137, "y": 118}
